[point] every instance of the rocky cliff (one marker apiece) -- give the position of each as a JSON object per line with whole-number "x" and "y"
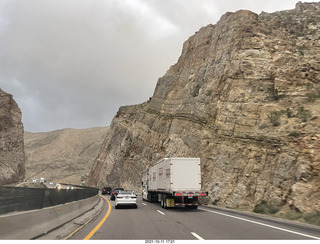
{"x": 244, "y": 96}
{"x": 63, "y": 156}
{"x": 12, "y": 159}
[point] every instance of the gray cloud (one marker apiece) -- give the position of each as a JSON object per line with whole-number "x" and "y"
{"x": 73, "y": 63}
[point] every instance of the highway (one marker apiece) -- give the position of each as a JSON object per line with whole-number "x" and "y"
{"x": 151, "y": 222}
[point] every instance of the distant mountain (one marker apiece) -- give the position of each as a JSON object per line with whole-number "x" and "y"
{"x": 12, "y": 160}
{"x": 64, "y": 156}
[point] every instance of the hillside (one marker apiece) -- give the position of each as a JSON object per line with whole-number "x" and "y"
{"x": 12, "y": 157}
{"x": 64, "y": 156}
{"x": 244, "y": 97}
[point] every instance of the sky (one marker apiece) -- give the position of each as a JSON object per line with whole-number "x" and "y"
{"x": 73, "y": 63}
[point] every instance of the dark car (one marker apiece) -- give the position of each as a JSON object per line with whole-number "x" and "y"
{"x": 106, "y": 190}
{"x": 115, "y": 192}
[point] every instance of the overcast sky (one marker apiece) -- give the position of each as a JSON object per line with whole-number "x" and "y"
{"x": 73, "y": 63}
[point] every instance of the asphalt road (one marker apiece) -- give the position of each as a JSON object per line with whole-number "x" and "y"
{"x": 151, "y": 222}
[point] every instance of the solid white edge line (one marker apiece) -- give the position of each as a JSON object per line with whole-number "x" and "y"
{"x": 160, "y": 212}
{"x": 258, "y": 223}
{"x": 197, "y": 236}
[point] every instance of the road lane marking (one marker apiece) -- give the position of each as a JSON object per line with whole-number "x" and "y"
{"x": 258, "y": 223}
{"x": 101, "y": 222}
{"x": 160, "y": 212}
{"x": 197, "y": 236}
{"x": 144, "y": 204}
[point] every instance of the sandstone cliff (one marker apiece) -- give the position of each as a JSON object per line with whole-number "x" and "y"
{"x": 244, "y": 97}
{"x": 63, "y": 156}
{"x": 12, "y": 159}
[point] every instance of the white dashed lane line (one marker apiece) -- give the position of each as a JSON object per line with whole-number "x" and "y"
{"x": 259, "y": 223}
{"x": 197, "y": 236}
{"x": 160, "y": 212}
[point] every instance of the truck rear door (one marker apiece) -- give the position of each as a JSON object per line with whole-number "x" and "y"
{"x": 185, "y": 174}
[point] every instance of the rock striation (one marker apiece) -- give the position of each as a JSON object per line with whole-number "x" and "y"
{"x": 244, "y": 96}
{"x": 12, "y": 158}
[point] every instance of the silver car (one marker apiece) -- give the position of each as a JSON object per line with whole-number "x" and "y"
{"x": 126, "y": 198}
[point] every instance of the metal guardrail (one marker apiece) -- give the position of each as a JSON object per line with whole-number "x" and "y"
{"x": 22, "y": 199}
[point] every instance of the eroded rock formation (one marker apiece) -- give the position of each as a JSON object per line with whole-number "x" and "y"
{"x": 244, "y": 96}
{"x": 12, "y": 158}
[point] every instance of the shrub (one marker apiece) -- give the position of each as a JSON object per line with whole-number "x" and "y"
{"x": 291, "y": 215}
{"x": 303, "y": 114}
{"x": 261, "y": 138}
{"x": 295, "y": 134}
{"x": 274, "y": 93}
{"x": 312, "y": 96}
{"x": 209, "y": 92}
{"x": 274, "y": 118}
{"x": 289, "y": 113}
{"x": 312, "y": 218}
{"x": 265, "y": 207}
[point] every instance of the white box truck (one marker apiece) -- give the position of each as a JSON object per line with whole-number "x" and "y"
{"x": 174, "y": 182}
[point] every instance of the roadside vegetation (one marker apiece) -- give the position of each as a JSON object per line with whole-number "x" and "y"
{"x": 273, "y": 208}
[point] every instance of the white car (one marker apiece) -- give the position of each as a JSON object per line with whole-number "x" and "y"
{"x": 126, "y": 198}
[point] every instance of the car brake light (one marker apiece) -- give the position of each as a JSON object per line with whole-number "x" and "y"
{"x": 119, "y": 197}
{"x": 133, "y": 197}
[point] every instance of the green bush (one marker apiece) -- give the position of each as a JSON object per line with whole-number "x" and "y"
{"x": 289, "y": 113}
{"x": 274, "y": 93}
{"x": 274, "y": 118}
{"x": 295, "y": 134}
{"x": 312, "y": 96}
{"x": 265, "y": 207}
{"x": 312, "y": 218}
{"x": 209, "y": 92}
{"x": 303, "y": 114}
{"x": 291, "y": 215}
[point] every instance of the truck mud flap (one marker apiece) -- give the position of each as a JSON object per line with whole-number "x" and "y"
{"x": 170, "y": 203}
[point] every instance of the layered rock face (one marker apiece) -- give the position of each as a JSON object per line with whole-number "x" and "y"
{"x": 12, "y": 159}
{"x": 244, "y": 96}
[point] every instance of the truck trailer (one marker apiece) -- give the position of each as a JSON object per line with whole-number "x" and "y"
{"x": 174, "y": 182}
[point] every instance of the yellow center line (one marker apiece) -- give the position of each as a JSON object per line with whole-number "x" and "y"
{"x": 101, "y": 222}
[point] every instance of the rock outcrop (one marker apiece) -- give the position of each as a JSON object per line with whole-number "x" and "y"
{"x": 12, "y": 158}
{"x": 63, "y": 156}
{"x": 244, "y": 96}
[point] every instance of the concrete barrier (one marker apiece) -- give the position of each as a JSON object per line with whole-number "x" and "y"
{"x": 30, "y": 224}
